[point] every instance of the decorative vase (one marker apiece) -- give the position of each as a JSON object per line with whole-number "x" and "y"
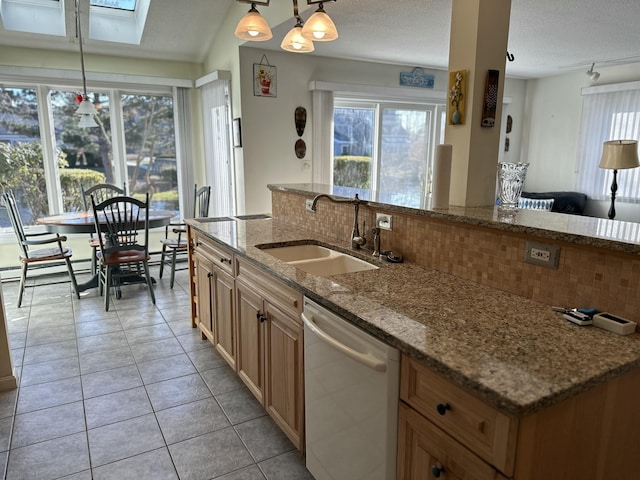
{"x": 456, "y": 117}
{"x": 510, "y": 182}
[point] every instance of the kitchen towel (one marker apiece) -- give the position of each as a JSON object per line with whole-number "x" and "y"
{"x": 441, "y": 176}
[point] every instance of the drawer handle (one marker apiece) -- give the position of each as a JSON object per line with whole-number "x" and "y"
{"x": 436, "y": 471}
{"x": 442, "y": 408}
{"x": 261, "y": 317}
{"x": 225, "y": 260}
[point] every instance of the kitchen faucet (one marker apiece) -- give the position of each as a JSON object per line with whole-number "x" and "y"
{"x": 357, "y": 240}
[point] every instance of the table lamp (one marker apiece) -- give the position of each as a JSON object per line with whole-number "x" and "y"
{"x": 618, "y": 155}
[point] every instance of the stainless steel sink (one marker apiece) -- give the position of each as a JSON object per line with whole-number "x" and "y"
{"x": 318, "y": 260}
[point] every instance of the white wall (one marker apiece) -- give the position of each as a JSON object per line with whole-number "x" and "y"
{"x": 550, "y": 139}
{"x": 268, "y": 126}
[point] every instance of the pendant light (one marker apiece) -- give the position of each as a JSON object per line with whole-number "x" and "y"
{"x": 86, "y": 110}
{"x": 253, "y": 26}
{"x": 320, "y": 27}
{"x": 295, "y": 42}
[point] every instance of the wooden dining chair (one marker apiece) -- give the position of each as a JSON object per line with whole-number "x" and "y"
{"x": 175, "y": 242}
{"x": 56, "y": 252}
{"x": 124, "y": 244}
{"x": 101, "y": 191}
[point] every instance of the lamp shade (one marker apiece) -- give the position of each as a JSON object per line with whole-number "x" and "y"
{"x": 87, "y": 121}
{"x": 619, "y": 154}
{"x": 295, "y": 42}
{"x": 86, "y": 107}
{"x": 320, "y": 27}
{"x": 253, "y": 27}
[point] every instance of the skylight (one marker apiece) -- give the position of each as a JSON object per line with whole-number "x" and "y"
{"x": 120, "y": 21}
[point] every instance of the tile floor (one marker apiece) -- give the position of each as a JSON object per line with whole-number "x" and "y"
{"x": 133, "y": 393}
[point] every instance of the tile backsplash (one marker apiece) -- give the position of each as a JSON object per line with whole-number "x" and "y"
{"x": 586, "y": 277}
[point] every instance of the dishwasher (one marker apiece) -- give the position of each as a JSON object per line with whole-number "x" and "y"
{"x": 351, "y": 399}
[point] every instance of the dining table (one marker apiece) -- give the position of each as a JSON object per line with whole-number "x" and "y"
{"x": 84, "y": 222}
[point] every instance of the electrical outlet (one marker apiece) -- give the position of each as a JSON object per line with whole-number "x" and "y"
{"x": 308, "y": 203}
{"x": 384, "y": 221}
{"x": 542, "y": 254}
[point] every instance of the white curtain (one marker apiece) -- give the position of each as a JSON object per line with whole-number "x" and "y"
{"x": 184, "y": 152}
{"x": 217, "y": 145}
{"x": 613, "y": 115}
{"x": 322, "y": 137}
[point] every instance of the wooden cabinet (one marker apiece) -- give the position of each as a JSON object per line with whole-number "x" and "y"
{"x": 254, "y": 322}
{"x": 251, "y": 339}
{"x": 284, "y": 360}
{"x": 213, "y": 290}
{"x": 203, "y": 300}
{"x": 428, "y": 452}
{"x": 270, "y": 347}
{"x": 445, "y": 432}
{"x": 589, "y": 436}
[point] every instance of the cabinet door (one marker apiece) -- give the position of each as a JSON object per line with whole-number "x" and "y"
{"x": 204, "y": 275}
{"x": 284, "y": 371}
{"x": 251, "y": 330}
{"x": 224, "y": 336}
{"x": 426, "y": 452}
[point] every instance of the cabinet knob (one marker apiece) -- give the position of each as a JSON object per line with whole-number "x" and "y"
{"x": 209, "y": 274}
{"x": 225, "y": 260}
{"x": 260, "y": 316}
{"x": 437, "y": 470}
{"x": 442, "y": 408}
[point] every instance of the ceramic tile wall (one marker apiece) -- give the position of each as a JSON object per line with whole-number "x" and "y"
{"x": 586, "y": 277}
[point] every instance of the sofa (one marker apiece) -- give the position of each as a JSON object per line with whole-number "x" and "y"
{"x": 564, "y": 202}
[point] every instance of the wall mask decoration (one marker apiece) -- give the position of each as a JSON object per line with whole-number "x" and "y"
{"x": 300, "y": 118}
{"x": 300, "y": 148}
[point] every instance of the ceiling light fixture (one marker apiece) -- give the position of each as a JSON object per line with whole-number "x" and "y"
{"x": 319, "y": 27}
{"x": 86, "y": 110}
{"x": 253, "y": 26}
{"x": 594, "y": 76}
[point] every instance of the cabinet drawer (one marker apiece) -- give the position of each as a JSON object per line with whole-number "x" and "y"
{"x": 216, "y": 253}
{"x": 480, "y": 427}
{"x": 424, "y": 449}
{"x": 286, "y": 298}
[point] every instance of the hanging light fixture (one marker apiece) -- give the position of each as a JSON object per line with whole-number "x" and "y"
{"x": 253, "y": 26}
{"x": 593, "y": 75}
{"x": 294, "y": 41}
{"x": 86, "y": 110}
{"x": 319, "y": 27}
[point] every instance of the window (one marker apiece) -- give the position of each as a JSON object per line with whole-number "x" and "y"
{"x": 386, "y": 147}
{"x": 134, "y": 144}
{"x": 608, "y": 115}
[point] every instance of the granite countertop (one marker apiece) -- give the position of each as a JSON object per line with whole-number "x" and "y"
{"x": 514, "y": 353}
{"x": 616, "y": 235}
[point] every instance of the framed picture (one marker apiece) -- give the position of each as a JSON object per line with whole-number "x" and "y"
{"x": 237, "y": 133}
{"x": 264, "y": 80}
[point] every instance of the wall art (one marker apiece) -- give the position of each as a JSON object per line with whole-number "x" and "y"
{"x": 417, "y": 78}
{"x": 457, "y": 92}
{"x": 264, "y": 79}
{"x": 490, "y": 99}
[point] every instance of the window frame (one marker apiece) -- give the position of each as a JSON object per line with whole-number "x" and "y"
{"x": 437, "y": 110}
{"x": 44, "y": 81}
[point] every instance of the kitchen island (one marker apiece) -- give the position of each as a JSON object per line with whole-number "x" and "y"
{"x": 513, "y": 354}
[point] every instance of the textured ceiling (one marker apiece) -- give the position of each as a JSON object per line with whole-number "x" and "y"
{"x": 547, "y": 37}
